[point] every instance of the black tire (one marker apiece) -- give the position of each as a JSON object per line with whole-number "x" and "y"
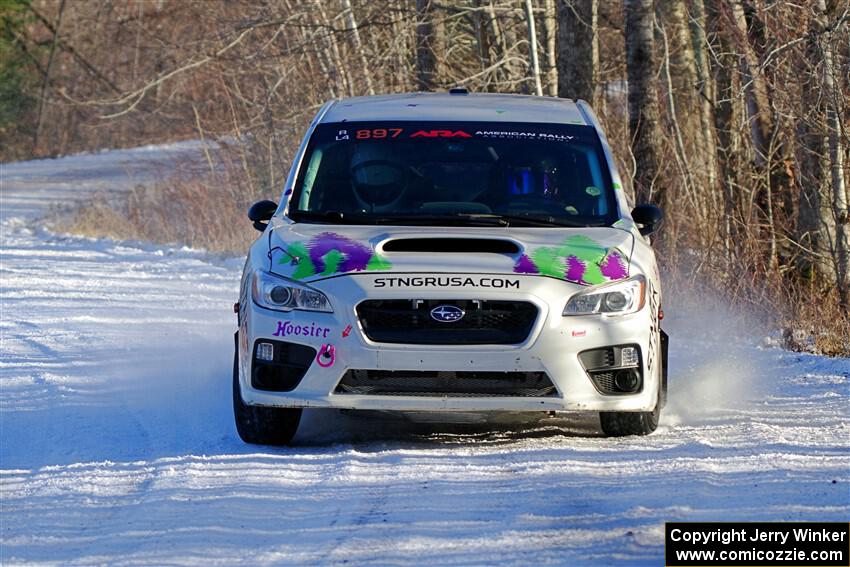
{"x": 261, "y": 425}
{"x": 624, "y": 423}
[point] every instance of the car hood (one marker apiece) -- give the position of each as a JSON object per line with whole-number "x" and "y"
{"x": 311, "y": 252}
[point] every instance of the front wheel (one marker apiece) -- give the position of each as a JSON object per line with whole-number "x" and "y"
{"x": 624, "y": 423}
{"x": 262, "y": 425}
{"x": 621, "y": 423}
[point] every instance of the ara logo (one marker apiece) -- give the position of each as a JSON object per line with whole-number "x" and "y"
{"x": 447, "y": 313}
{"x": 440, "y": 134}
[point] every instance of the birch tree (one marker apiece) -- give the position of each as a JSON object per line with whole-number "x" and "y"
{"x": 643, "y": 100}
{"x": 834, "y": 126}
{"x": 532, "y": 48}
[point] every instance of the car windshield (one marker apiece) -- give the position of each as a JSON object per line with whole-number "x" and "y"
{"x": 454, "y": 173}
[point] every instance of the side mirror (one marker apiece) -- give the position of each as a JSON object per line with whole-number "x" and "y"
{"x": 648, "y": 216}
{"x": 261, "y": 212}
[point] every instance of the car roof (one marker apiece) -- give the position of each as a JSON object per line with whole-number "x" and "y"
{"x": 479, "y": 107}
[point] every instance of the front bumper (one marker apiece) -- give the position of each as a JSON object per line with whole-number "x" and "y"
{"x": 552, "y": 346}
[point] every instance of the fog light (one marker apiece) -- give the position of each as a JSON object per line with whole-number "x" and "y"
{"x": 265, "y": 351}
{"x": 627, "y": 381}
{"x": 628, "y": 356}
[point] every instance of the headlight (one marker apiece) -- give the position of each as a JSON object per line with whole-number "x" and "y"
{"x": 280, "y": 294}
{"x": 619, "y": 298}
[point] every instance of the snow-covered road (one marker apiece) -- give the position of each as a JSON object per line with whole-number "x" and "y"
{"x": 117, "y": 444}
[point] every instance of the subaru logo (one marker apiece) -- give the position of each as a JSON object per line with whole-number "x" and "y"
{"x": 447, "y": 313}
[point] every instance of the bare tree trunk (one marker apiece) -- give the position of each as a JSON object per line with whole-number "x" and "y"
{"x": 815, "y": 223}
{"x": 643, "y": 100}
{"x": 578, "y": 49}
{"x": 746, "y": 103}
{"x": 706, "y": 89}
{"x": 685, "y": 99}
{"x": 428, "y": 42}
{"x": 340, "y": 73}
{"x": 836, "y": 160}
{"x": 532, "y": 48}
{"x": 46, "y": 83}
{"x": 727, "y": 144}
{"x": 672, "y": 117}
{"x": 550, "y": 31}
{"x": 759, "y": 208}
{"x": 754, "y": 87}
{"x": 482, "y": 36}
{"x": 498, "y": 33}
{"x": 515, "y": 74}
{"x": 406, "y": 45}
{"x": 358, "y": 45}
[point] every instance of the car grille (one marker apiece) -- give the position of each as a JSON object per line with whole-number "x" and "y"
{"x": 410, "y": 322}
{"x": 446, "y": 383}
{"x": 604, "y": 382}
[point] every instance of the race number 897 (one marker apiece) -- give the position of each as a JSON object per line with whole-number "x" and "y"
{"x": 378, "y": 133}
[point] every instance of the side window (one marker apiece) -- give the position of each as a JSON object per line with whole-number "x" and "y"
{"x": 595, "y": 188}
{"x": 310, "y": 178}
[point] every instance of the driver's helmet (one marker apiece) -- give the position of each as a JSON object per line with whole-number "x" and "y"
{"x": 379, "y": 183}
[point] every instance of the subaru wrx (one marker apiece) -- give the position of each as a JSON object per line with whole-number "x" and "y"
{"x": 451, "y": 253}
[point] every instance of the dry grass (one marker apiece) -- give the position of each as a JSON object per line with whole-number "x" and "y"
{"x": 814, "y": 322}
{"x": 207, "y": 212}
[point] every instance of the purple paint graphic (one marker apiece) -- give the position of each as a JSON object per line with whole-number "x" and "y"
{"x": 326, "y": 356}
{"x": 525, "y": 266}
{"x": 579, "y": 259}
{"x": 575, "y": 270}
{"x": 613, "y": 267}
{"x": 356, "y": 255}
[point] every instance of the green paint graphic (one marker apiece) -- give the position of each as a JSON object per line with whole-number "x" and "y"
{"x": 304, "y": 268}
{"x": 332, "y": 261}
{"x": 549, "y": 261}
{"x": 589, "y": 252}
{"x": 552, "y": 261}
{"x": 378, "y": 263}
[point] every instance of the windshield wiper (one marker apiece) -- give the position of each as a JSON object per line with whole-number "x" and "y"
{"x": 539, "y": 219}
{"x": 450, "y": 219}
{"x": 462, "y": 219}
{"x": 339, "y": 217}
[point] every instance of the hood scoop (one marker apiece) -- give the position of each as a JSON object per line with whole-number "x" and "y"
{"x": 443, "y": 245}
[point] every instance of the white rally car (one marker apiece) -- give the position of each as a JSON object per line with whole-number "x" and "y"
{"x": 451, "y": 253}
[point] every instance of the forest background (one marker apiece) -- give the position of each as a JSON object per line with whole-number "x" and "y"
{"x": 730, "y": 114}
